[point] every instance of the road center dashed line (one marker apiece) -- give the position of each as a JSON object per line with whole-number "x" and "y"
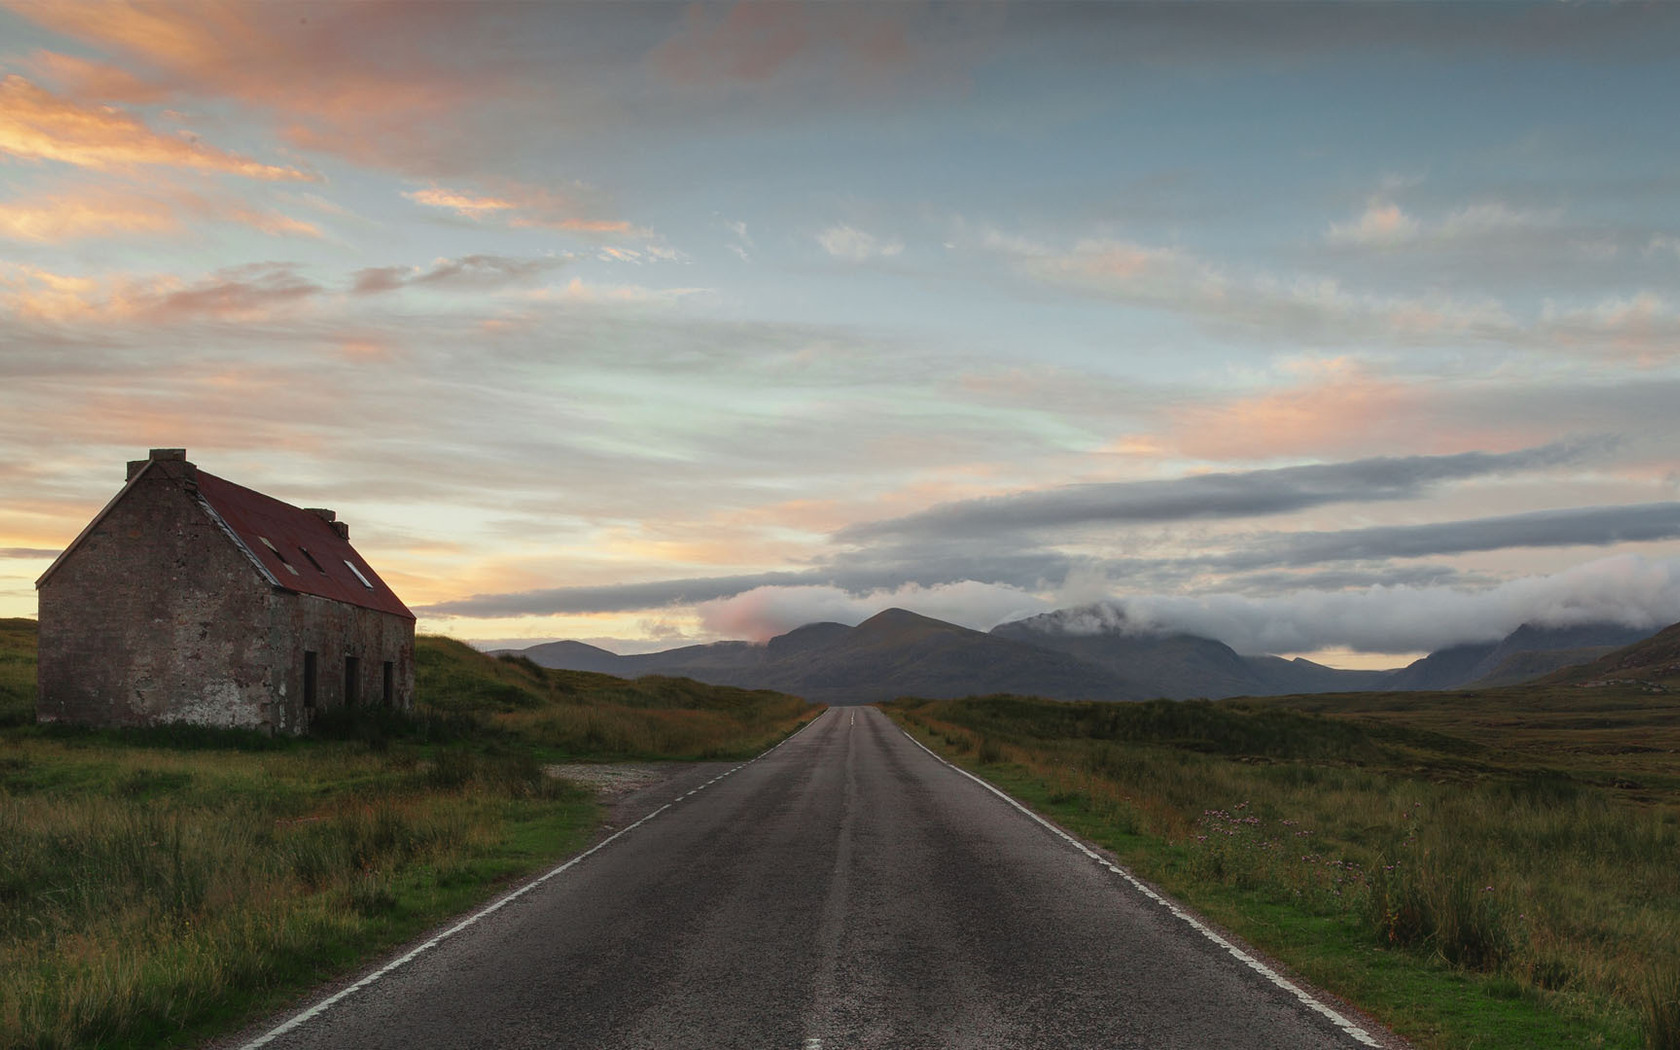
{"x": 1357, "y": 1033}
{"x": 395, "y": 964}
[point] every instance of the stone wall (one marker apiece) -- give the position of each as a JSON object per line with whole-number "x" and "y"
{"x": 150, "y": 619}
{"x": 334, "y": 631}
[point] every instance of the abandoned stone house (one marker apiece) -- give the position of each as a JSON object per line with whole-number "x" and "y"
{"x": 192, "y": 599}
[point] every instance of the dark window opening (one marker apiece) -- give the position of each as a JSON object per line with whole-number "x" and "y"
{"x": 312, "y": 560}
{"x": 352, "y": 679}
{"x": 309, "y": 681}
{"x": 390, "y": 683}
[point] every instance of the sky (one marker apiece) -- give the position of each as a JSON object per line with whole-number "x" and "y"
{"x": 1345, "y": 330}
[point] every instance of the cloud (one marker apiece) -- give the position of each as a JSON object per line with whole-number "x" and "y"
{"x": 1338, "y": 403}
{"x": 1662, "y": 243}
{"x": 104, "y": 212}
{"x": 854, "y": 245}
{"x": 240, "y": 293}
{"x": 764, "y": 612}
{"x": 1211, "y": 496}
{"x": 753, "y": 41}
{"x": 1625, "y": 589}
{"x": 1254, "y": 565}
{"x": 469, "y": 272}
{"x": 614, "y": 597}
{"x": 35, "y": 124}
{"x": 1382, "y": 225}
{"x": 28, "y": 552}
{"x": 1643, "y": 327}
{"x": 577, "y": 290}
{"x": 1300, "y": 308}
{"x": 1569, "y": 527}
{"x": 65, "y": 217}
{"x": 526, "y": 207}
{"x": 373, "y": 82}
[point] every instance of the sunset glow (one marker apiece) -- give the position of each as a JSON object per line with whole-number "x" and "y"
{"x": 1349, "y": 330}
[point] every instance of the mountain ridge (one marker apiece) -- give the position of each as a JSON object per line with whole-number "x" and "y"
{"x": 1084, "y": 653}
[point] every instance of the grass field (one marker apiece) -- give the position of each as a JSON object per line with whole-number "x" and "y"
{"x": 159, "y": 886}
{"x": 1480, "y": 869}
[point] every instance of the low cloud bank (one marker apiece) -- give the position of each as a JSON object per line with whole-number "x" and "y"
{"x": 764, "y": 612}
{"x": 1626, "y": 589}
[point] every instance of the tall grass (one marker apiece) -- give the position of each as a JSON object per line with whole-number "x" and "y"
{"x": 145, "y": 890}
{"x": 1433, "y": 846}
{"x": 158, "y": 885}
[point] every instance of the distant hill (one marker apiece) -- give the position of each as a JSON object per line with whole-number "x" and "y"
{"x": 894, "y": 653}
{"x": 1178, "y": 665}
{"x": 573, "y": 656}
{"x": 1070, "y": 654}
{"x": 1655, "y": 659}
{"x": 1523, "y": 655}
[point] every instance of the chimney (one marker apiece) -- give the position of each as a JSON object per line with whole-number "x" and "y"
{"x": 331, "y": 518}
{"x": 164, "y": 455}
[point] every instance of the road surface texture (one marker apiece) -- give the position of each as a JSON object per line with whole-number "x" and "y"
{"x": 845, "y": 891}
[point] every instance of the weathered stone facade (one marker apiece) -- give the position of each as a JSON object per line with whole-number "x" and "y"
{"x": 161, "y": 612}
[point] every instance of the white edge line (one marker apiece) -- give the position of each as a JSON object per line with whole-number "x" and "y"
{"x": 1358, "y": 1033}
{"x": 328, "y": 1003}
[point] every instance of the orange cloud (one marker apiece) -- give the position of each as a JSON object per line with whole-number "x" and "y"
{"x": 35, "y": 124}
{"x": 374, "y": 82}
{"x": 101, "y": 212}
{"x": 522, "y": 207}
{"x": 61, "y": 218}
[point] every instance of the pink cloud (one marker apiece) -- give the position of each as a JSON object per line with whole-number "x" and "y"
{"x": 384, "y": 83}
{"x": 36, "y": 124}
{"x": 1337, "y": 407}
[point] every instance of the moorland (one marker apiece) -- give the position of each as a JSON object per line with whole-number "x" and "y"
{"x": 158, "y": 886}
{"x": 1478, "y": 868}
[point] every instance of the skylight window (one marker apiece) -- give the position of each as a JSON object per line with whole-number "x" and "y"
{"x": 312, "y": 560}
{"x": 358, "y": 573}
{"x": 283, "y": 559}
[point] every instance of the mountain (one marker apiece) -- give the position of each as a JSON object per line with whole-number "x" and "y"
{"x": 573, "y": 656}
{"x": 1654, "y": 659}
{"x": 1090, "y": 653}
{"x": 1523, "y": 655}
{"x": 894, "y": 653}
{"x": 1179, "y": 665}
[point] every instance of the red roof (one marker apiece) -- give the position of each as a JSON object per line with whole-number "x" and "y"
{"x": 299, "y": 548}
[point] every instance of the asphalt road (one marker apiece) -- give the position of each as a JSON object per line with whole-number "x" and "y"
{"x": 846, "y": 890}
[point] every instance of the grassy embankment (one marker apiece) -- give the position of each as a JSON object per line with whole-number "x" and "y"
{"x": 1492, "y": 869}
{"x": 158, "y": 886}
